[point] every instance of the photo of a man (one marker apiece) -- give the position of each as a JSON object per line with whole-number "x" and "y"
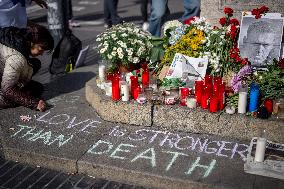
{"x": 260, "y": 40}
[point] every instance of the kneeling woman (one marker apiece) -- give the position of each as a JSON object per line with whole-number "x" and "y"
{"x": 17, "y": 47}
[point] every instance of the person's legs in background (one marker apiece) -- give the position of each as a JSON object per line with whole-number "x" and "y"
{"x": 108, "y": 23}
{"x": 192, "y": 8}
{"x": 71, "y": 22}
{"x": 111, "y": 6}
{"x": 159, "y": 10}
{"x": 144, "y": 13}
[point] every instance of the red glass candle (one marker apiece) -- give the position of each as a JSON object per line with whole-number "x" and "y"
{"x": 136, "y": 92}
{"x": 221, "y": 96}
{"x": 204, "y": 101}
{"x": 115, "y": 89}
{"x": 184, "y": 92}
{"x": 217, "y": 80}
{"x": 213, "y": 104}
{"x": 268, "y": 104}
{"x": 133, "y": 83}
{"x": 109, "y": 76}
{"x": 208, "y": 79}
{"x": 198, "y": 91}
{"x": 216, "y": 88}
{"x": 145, "y": 77}
{"x": 208, "y": 89}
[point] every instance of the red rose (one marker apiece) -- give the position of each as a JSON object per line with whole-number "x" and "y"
{"x": 188, "y": 21}
{"x": 263, "y": 9}
{"x": 257, "y": 16}
{"x": 245, "y": 61}
{"x": 238, "y": 59}
{"x": 223, "y": 21}
{"x": 255, "y": 12}
{"x": 215, "y": 28}
{"x": 228, "y": 11}
{"x": 234, "y": 22}
{"x": 233, "y": 32}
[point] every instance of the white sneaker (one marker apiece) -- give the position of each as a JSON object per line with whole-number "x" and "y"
{"x": 145, "y": 26}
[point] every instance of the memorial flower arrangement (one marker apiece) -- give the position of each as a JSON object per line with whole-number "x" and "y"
{"x": 185, "y": 39}
{"x": 124, "y": 44}
{"x": 221, "y": 48}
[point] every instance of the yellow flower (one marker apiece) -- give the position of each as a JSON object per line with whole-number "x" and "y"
{"x": 190, "y": 45}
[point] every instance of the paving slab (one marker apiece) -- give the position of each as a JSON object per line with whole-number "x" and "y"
{"x": 54, "y": 139}
{"x": 46, "y": 147}
{"x": 168, "y": 159}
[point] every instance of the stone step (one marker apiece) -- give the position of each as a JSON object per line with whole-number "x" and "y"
{"x": 180, "y": 118}
{"x": 72, "y": 138}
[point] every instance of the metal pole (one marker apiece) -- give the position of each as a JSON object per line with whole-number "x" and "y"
{"x": 57, "y": 18}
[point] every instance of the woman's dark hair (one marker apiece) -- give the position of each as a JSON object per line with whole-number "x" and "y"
{"x": 38, "y": 34}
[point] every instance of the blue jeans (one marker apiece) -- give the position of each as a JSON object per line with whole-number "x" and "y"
{"x": 191, "y": 9}
{"x": 110, "y": 12}
{"x": 159, "y": 11}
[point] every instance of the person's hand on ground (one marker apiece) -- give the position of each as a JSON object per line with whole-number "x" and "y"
{"x": 41, "y": 106}
{"x": 41, "y": 3}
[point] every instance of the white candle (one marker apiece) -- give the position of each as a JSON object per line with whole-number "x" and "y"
{"x": 260, "y": 149}
{"x": 108, "y": 88}
{"x": 102, "y": 69}
{"x": 191, "y": 102}
{"x": 242, "y": 103}
{"x": 124, "y": 92}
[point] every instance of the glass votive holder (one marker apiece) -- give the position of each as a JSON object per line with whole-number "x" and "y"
{"x": 191, "y": 102}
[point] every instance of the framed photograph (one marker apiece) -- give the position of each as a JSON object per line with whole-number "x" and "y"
{"x": 260, "y": 39}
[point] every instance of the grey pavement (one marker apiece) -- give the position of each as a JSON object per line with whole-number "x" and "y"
{"x": 21, "y": 176}
{"x": 71, "y": 138}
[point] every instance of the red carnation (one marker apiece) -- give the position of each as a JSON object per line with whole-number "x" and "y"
{"x": 228, "y": 11}
{"x": 223, "y": 21}
{"x": 234, "y": 22}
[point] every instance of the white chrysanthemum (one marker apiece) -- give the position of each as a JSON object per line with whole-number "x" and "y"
{"x": 113, "y": 53}
{"x": 119, "y": 50}
{"x": 120, "y": 56}
{"x": 171, "y": 24}
{"x": 103, "y": 50}
{"x": 135, "y": 60}
{"x": 109, "y": 56}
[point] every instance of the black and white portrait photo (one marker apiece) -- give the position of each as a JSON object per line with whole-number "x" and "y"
{"x": 260, "y": 39}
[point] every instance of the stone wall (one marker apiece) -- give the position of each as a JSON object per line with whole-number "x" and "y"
{"x": 213, "y": 9}
{"x": 181, "y": 118}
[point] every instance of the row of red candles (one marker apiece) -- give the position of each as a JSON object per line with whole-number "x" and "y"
{"x": 210, "y": 93}
{"x": 134, "y": 84}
